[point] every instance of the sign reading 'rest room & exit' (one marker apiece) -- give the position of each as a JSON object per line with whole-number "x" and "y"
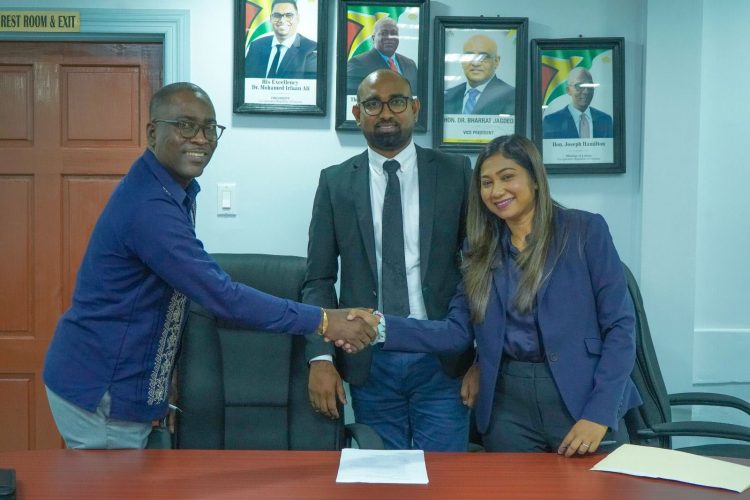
{"x": 40, "y": 21}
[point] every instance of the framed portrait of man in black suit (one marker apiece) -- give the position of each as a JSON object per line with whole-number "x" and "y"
{"x": 479, "y": 81}
{"x": 375, "y": 35}
{"x": 577, "y": 104}
{"x": 280, "y": 56}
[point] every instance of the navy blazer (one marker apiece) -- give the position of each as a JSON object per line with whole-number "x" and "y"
{"x": 497, "y": 98}
{"x": 561, "y": 125}
{"x": 362, "y": 65}
{"x": 586, "y": 319}
{"x": 300, "y": 60}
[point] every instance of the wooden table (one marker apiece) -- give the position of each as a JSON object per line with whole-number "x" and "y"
{"x": 208, "y": 474}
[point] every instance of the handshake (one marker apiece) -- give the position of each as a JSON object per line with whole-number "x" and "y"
{"x": 350, "y": 329}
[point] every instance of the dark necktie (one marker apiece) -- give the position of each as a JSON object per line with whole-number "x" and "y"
{"x": 275, "y": 63}
{"x": 471, "y": 101}
{"x": 394, "y": 289}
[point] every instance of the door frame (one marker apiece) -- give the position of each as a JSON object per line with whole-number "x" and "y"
{"x": 171, "y": 27}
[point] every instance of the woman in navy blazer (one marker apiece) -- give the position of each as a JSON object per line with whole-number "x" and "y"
{"x": 544, "y": 298}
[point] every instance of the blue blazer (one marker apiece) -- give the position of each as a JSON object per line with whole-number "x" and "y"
{"x": 586, "y": 319}
{"x": 560, "y": 125}
{"x": 300, "y": 60}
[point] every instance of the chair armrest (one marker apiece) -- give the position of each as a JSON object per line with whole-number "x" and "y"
{"x": 709, "y": 399}
{"x": 696, "y": 428}
{"x": 364, "y": 435}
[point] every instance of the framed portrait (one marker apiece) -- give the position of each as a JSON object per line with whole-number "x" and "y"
{"x": 374, "y": 35}
{"x": 479, "y": 80}
{"x": 280, "y": 56}
{"x": 578, "y": 104}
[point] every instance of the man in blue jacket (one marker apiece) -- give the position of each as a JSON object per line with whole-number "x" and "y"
{"x": 110, "y": 362}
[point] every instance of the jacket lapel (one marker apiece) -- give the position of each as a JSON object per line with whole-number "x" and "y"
{"x": 360, "y": 188}
{"x": 427, "y": 174}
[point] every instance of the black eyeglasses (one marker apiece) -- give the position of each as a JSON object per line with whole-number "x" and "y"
{"x": 374, "y": 107}
{"x": 212, "y": 132}
{"x": 276, "y": 17}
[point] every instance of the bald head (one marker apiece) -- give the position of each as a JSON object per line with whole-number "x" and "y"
{"x": 480, "y": 59}
{"x": 365, "y": 87}
{"x": 165, "y": 94}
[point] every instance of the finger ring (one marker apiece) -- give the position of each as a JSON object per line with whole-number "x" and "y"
{"x": 586, "y": 445}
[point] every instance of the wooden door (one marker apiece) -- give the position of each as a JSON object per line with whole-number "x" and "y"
{"x": 72, "y": 120}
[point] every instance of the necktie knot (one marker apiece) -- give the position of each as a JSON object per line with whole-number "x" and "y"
{"x": 391, "y": 166}
{"x": 392, "y": 65}
{"x": 471, "y": 101}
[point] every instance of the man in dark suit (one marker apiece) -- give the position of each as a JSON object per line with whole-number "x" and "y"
{"x": 286, "y": 54}
{"x": 578, "y": 119}
{"x": 411, "y": 400}
{"x": 383, "y": 56}
{"x": 483, "y": 93}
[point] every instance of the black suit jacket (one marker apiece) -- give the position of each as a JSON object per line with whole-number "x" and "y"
{"x": 300, "y": 60}
{"x": 359, "y": 67}
{"x": 497, "y": 98}
{"x": 341, "y": 228}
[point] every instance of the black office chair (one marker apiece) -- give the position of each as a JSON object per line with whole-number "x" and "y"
{"x": 240, "y": 389}
{"x": 651, "y": 423}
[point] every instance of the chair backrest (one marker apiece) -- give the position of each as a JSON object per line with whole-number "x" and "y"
{"x": 646, "y": 376}
{"x": 242, "y": 389}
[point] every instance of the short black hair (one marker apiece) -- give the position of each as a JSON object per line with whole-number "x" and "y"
{"x": 166, "y": 92}
{"x": 293, "y": 2}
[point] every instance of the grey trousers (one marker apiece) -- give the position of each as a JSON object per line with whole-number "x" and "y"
{"x": 85, "y": 430}
{"x": 529, "y": 415}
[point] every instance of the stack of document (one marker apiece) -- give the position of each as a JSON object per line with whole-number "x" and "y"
{"x": 676, "y": 466}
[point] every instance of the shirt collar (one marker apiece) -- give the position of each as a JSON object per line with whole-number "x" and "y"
{"x": 406, "y": 158}
{"x": 171, "y": 186}
{"x": 286, "y": 43}
{"x": 480, "y": 88}
{"x": 577, "y": 114}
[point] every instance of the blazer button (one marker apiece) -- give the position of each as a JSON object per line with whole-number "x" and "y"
{"x": 552, "y": 356}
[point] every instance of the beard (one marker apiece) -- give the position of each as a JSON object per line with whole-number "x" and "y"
{"x": 390, "y": 140}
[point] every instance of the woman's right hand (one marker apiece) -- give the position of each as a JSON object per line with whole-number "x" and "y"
{"x": 470, "y": 385}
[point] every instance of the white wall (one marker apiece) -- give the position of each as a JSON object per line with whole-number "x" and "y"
{"x": 695, "y": 237}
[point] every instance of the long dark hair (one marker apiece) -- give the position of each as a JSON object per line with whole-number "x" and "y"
{"x": 484, "y": 228}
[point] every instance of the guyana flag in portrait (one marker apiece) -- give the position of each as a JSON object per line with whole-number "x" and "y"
{"x": 556, "y": 64}
{"x": 257, "y": 20}
{"x": 360, "y": 20}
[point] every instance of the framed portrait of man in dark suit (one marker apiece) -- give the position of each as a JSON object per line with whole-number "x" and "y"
{"x": 280, "y": 56}
{"x": 375, "y": 35}
{"x": 479, "y": 80}
{"x": 577, "y": 105}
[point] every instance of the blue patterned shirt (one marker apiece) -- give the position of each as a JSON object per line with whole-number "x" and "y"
{"x": 142, "y": 267}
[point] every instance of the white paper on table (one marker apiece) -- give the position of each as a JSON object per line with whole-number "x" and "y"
{"x": 382, "y": 466}
{"x": 675, "y": 465}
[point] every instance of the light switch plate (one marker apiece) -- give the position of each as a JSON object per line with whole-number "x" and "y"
{"x": 226, "y": 199}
